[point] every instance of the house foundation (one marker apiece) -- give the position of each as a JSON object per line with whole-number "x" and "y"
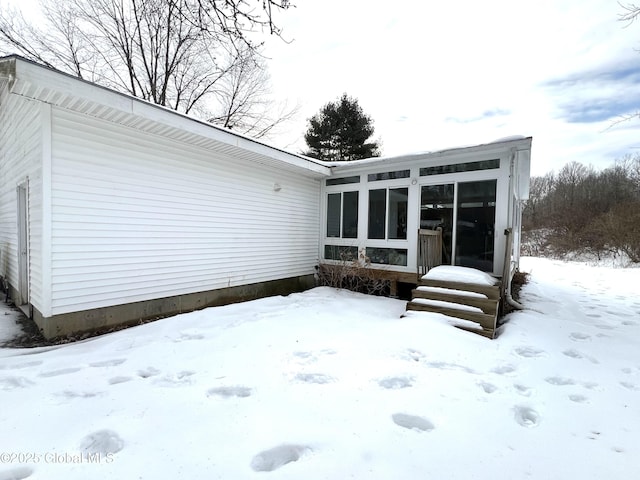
{"x": 133, "y": 313}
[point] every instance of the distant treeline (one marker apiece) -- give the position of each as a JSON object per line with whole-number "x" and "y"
{"x": 581, "y": 210}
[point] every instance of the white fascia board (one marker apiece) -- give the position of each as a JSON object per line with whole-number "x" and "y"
{"x": 459, "y": 154}
{"x": 68, "y": 85}
{"x": 523, "y": 173}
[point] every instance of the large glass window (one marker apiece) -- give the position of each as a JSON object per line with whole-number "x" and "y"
{"x": 374, "y": 177}
{"x": 341, "y": 253}
{"x": 334, "y": 207}
{"x": 342, "y": 215}
{"x": 377, "y": 212}
{"x": 461, "y": 167}
{"x": 343, "y": 180}
{"x": 397, "y": 225}
{"x": 388, "y": 213}
{"x": 387, "y": 256}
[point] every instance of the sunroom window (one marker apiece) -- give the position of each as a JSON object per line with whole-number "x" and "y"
{"x": 342, "y": 215}
{"x": 388, "y": 213}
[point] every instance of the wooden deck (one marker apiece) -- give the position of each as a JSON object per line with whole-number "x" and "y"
{"x": 474, "y": 303}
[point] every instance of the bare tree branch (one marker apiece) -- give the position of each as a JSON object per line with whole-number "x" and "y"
{"x": 245, "y": 101}
{"x": 189, "y": 55}
{"x": 631, "y": 13}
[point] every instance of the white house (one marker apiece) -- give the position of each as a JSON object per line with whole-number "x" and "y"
{"x": 114, "y": 210}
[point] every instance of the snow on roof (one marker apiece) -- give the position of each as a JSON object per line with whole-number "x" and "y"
{"x": 425, "y": 153}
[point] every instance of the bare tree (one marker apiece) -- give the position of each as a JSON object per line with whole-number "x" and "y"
{"x": 182, "y": 54}
{"x": 583, "y": 210}
{"x": 245, "y": 101}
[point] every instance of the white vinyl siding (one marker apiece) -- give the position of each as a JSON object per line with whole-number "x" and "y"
{"x": 21, "y": 159}
{"x": 138, "y": 217}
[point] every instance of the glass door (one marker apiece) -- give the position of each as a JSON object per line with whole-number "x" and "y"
{"x": 471, "y": 207}
{"x": 475, "y": 224}
{"x": 436, "y": 211}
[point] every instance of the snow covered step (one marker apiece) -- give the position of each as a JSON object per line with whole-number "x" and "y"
{"x": 462, "y": 278}
{"x": 460, "y": 292}
{"x": 452, "y": 291}
{"x": 474, "y": 299}
{"x": 440, "y": 303}
{"x": 488, "y": 322}
{"x": 451, "y": 273}
{"x": 491, "y": 291}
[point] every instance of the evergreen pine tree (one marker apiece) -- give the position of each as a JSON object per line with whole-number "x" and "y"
{"x": 340, "y": 132}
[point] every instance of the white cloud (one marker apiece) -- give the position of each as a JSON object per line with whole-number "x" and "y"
{"x": 431, "y": 74}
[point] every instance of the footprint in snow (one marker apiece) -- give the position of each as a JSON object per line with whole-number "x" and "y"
{"x": 394, "y": 383}
{"x": 116, "y": 380}
{"x": 72, "y": 394}
{"x": 487, "y": 387}
{"x": 522, "y": 389}
{"x": 412, "y": 422}
{"x": 572, "y": 353}
{"x": 62, "y": 371}
{"x": 103, "y": 442}
{"x": 579, "y": 336}
{"x": 578, "y": 398}
{"x": 18, "y": 473}
{"x": 21, "y": 365}
{"x": 319, "y": 378}
{"x": 578, "y": 355}
{"x": 11, "y": 383}
{"x": 450, "y": 366}
{"x": 560, "y": 381}
{"x": 175, "y": 380}
{"x": 227, "y": 392}
{"x": 415, "y": 355}
{"x": 187, "y": 335}
{"x": 526, "y": 416}
{"x": 276, "y": 457}
{"x": 529, "y": 352}
{"x": 591, "y": 385}
{"x": 311, "y": 357}
{"x": 148, "y": 372}
{"x": 108, "y": 363}
{"x": 630, "y": 323}
{"x": 593, "y": 315}
{"x": 602, "y": 326}
{"x": 504, "y": 369}
{"x": 303, "y": 355}
{"x": 629, "y": 385}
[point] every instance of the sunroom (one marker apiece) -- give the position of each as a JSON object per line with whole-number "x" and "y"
{"x": 374, "y": 209}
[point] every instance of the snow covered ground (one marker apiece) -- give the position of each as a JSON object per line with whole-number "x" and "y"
{"x": 329, "y": 384}
{"x": 9, "y": 325}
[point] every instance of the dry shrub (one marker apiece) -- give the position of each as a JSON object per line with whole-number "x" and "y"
{"x": 353, "y": 274}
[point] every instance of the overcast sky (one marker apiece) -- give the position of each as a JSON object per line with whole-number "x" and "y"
{"x": 434, "y": 75}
